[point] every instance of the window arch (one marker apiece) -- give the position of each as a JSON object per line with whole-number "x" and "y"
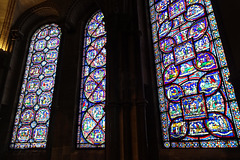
{"x": 91, "y": 122}
{"x": 198, "y": 106}
{"x": 34, "y": 106}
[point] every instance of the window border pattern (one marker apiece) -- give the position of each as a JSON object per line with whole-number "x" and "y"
{"x": 32, "y": 118}
{"x": 91, "y": 120}
{"x": 198, "y": 106}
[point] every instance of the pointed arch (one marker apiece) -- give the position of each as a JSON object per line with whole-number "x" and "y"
{"x": 91, "y": 122}
{"x": 34, "y": 105}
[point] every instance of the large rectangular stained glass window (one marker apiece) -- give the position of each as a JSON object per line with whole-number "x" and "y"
{"x": 198, "y": 107}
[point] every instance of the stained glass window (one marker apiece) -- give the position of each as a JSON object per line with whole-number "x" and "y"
{"x": 91, "y": 122}
{"x": 198, "y": 107}
{"x": 33, "y": 111}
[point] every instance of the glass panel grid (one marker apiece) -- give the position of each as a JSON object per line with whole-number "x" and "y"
{"x": 91, "y": 121}
{"x": 33, "y": 111}
{"x": 197, "y": 103}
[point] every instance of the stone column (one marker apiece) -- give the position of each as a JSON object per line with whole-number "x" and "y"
{"x": 125, "y": 109}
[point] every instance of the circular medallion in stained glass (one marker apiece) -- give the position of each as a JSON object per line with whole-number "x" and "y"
{"x": 178, "y": 129}
{"x": 27, "y": 116}
{"x": 30, "y": 100}
{"x": 161, "y": 5}
{"x": 95, "y": 86}
{"x": 43, "y": 33}
{"x": 98, "y": 74}
{"x": 198, "y": 29}
{"x": 53, "y": 43}
{"x": 51, "y": 56}
{"x": 94, "y": 58}
{"x": 33, "y": 85}
{"x": 194, "y": 12}
{"x": 35, "y": 71}
{"x": 165, "y": 29}
{"x": 174, "y": 92}
{"x": 91, "y": 128}
{"x": 24, "y": 133}
{"x": 43, "y": 115}
{"x": 47, "y": 83}
{"x": 40, "y": 45}
{"x": 45, "y": 99}
{"x": 37, "y": 58}
{"x": 40, "y": 133}
{"x": 171, "y": 73}
{"x": 205, "y": 61}
{"x": 49, "y": 69}
{"x": 166, "y": 45}
{"x": 219, "y": 125}
{"x": 54, "y": 32}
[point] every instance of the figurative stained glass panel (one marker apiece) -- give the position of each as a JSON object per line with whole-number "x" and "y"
{"x": 91, "y": 122}
{"x": 33, "y": 112}
{"x": 197, "y": 103}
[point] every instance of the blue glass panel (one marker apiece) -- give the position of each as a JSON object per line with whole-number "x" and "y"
{"x": 197, "y": 102}
{"x": 32, "y": 118}
{"x": 91, "y": 122}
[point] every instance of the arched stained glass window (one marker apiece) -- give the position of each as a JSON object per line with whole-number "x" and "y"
{"x": 33, "y": 111}
{"x": 91, "y": 122}
{"x": 197, "y": 103}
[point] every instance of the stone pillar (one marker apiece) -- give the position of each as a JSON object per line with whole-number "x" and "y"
{"x": 4, "y": 109}
{"x": 125, "y": 109}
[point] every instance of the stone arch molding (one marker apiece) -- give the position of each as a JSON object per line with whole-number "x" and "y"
{"x": 21, "y": 32}
{"x": 36, "y": 16}
{"x": 80, "y": 11}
